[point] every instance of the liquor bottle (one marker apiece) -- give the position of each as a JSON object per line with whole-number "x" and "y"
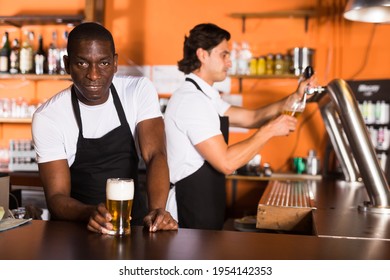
{"x": 279, "y": 64}
{"x": 270, "y": 64}
{"x": 244, "y": 57}
{"x": 40, "y": 57}
{"x": 53, "y": 55}
{"x": 4, "y": 54}
{"x": 14, "y": 57}
{"x": 63, "y": 51}
{"x": 234, "y": 59}
{"x": 26, "y": 54}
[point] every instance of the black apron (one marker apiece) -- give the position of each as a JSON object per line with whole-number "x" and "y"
{"x": 201, "y": 196}
{"x": 114, "y": 155}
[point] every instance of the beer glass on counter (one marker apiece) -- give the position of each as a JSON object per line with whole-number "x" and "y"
{"x": 120, "y": 194}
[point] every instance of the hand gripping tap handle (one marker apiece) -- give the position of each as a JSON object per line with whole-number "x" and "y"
{"x": 309, "y": 71}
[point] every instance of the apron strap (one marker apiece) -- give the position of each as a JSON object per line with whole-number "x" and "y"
{"x": 76, "y": 109}
{"x": 195, "y": 84}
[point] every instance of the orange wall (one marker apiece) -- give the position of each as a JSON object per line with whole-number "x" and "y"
{"x": 151, "y": 32}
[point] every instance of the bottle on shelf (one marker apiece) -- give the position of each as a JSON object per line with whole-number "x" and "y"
{"x": 26, "y": 54}
{"x": 53, "y": 55}
{"x": 253, "y": 65}
{"x": 63, "y": 51}
{"x": 312, "y": 163}
{"x": 244, "y": 58}
{"x": 279, "y": 64}
{"x": 40, "y": 57}
{"x": 261, "y": 65}
{"x": 4, "y": 54}
{"x": 14, "y": 57}
{"x": 270, "y": 64}
{"x": 234, "y": 58}
{"x": 287, "y": 64}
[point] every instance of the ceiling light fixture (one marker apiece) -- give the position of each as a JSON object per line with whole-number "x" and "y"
{"x": 372, "y": 11}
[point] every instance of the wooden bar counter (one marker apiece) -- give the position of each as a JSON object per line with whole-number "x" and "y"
{"x": 44, "y": 240}
{"x": 341, "y": 232}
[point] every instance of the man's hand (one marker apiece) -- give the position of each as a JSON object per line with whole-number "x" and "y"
{"x": 280, "y": 126}
{"x": 305, "y": 84}
{"x": 159, "y": 219}
{"x": 100, "y": 220}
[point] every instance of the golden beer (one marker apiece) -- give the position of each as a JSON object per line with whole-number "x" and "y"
{"x": 120, "y": 194}
{"x": 295, "y": 114}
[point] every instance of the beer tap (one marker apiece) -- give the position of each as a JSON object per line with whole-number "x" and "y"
{"x": 295, "y": 105}
{"x": 309, "y": 71}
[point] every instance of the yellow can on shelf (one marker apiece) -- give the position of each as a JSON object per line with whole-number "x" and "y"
{"x": 253, "y": 66}
{"x": 261, "y": 65}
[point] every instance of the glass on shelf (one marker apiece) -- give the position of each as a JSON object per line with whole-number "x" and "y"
{"x": 16, "y": 108}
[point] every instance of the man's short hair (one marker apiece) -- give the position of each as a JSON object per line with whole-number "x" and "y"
{"x": 89, "y": 31}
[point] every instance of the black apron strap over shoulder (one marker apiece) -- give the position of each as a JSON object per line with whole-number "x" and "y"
{"x": 195, "y": 83}
{"x": 224, "y": 120}
{"x": 201, "y": 196}
{"x": 76, "y": 109}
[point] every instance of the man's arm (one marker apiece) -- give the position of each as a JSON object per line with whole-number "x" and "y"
{"x": 254, "y": 118}
{"x": 227, "y": 159}
{"x": 55, "y": 176}
{"x": 152, "y": 143}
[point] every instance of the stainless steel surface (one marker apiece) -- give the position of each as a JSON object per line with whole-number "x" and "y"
{"x": 288, "y": 194}
{"x": 312, "y": 90}
{"x": 302, "y": 57}
{"x": 336, "y": 215}
{"x": 360, "y": 144}
{"x": 340, "y": 143}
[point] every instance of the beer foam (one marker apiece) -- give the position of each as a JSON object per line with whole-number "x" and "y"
{"x": 117, "y": 189}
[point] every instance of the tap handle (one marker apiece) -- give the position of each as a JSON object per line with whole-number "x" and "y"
{"x": 309, "y": 71}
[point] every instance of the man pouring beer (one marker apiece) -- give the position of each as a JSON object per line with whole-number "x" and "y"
{"x": 95, "y": 130}
{"x": 197, "y": 121}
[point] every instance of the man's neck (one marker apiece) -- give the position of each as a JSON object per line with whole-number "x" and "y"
{"x": 203, "y": 76}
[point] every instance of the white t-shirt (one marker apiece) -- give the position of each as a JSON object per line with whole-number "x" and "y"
{"x": 55, "y": 130}
{"x": 191, "y": 117}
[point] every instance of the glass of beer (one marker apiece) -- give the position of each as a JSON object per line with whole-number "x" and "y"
{"x": 294, "y": 106}
{"x": 120, "y": 194}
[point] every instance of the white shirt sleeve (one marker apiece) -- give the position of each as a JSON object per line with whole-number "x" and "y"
{"x": 199, "y": 120}
{"x": 48, "y": 140}
{"x": 146, "y": 100}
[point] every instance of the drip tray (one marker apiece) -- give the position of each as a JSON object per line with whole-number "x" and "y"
{"x": 286, "y": 207}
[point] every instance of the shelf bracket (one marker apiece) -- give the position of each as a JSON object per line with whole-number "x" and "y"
{"x": 243, "y": 19}
{"x": 306, "y": 23}
{"x": 240, "y": 85}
